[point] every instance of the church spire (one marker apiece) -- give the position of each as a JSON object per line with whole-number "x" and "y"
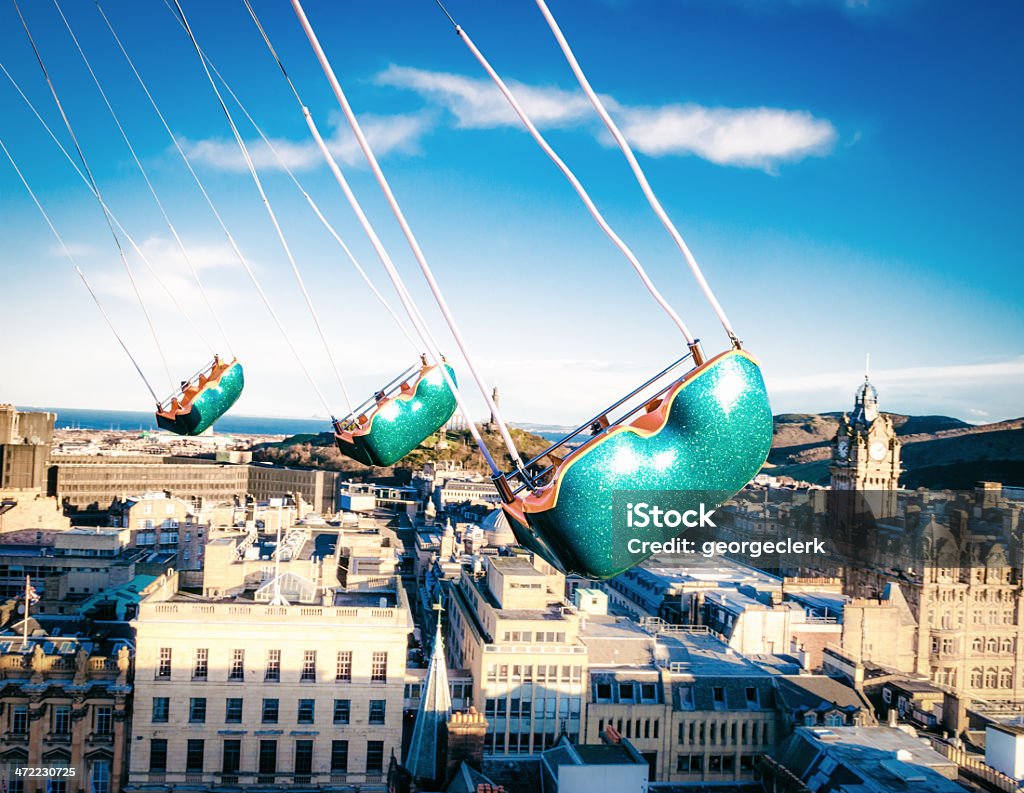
{"x": 424, "y": 760}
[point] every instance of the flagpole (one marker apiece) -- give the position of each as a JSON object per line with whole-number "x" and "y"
{"x": 24, "y": 624}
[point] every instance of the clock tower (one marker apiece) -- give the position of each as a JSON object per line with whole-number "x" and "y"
{"x": 866, "y": 452}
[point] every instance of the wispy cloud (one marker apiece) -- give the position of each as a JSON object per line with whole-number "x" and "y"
{"x": 477, "y": 103}
{"x": 757, "y": 137}
{"x": 753, "y": 137}
{"x": 387, "y": 134}
{"x": 165, "y": 257}
{"x": 915, "y": 376}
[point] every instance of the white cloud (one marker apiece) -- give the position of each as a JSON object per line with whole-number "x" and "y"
{"x": 930, "y": 376}
{"x": 477, "y": 103}
{"x": 386, "y": 134}
{"x": 165, "y": 255}
{"x": 752, "y": 137}
{"x": 165, "y": 258}
{"x": 757, "y": 137}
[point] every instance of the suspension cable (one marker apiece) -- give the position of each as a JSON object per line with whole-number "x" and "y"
{"x": 273, "y": 218}
{"x": 81, "y": 275}
{"x": 403, "y": 295}
{"x": 213, "y": 209}
{"x": 405, "y": 298}
{"x": 641, "y": 178}
{"x": 581, "y": 192}
{"x": 92, "y": 180}
{"x": 406, "y": 230}
{"x": 152, "y": 190}
{"x": 112, "y": 218}
{"x": 309, "y": 199}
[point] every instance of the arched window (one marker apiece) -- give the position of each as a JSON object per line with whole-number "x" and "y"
{"x": 1007, "y": 646}
{"x": 990, "y": 678}
{"x": 1006, "y": 679}
{"x": 976, "y": 678}
{"x": 978, "y": 644}
{"x": 991, "y": 646}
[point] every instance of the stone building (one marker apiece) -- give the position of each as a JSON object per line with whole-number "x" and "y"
{"x": 25, "y": 443}
{"x": 510, "y": 626}
{"x": 936, "y": 580}
{"x": 71, "y": 566}
{"x": 697, "y": 712}
{"x": 64, "y": 703}
{"x": 86, "y": 483}
{"x": 247, "y": 677}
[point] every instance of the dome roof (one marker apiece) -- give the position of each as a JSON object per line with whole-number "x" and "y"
{"x": 497, "y": 527}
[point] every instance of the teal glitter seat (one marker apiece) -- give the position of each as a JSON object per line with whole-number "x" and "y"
{"x": 400, "y": 420}
{"x": 704, "y": 439}
{"x": 203, "y": 399}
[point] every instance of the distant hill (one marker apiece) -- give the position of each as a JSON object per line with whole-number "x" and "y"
{"x": 319, "y": 451}
{"x": 938, "y": 451}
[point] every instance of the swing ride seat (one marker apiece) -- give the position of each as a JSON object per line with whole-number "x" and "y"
{"x": 704, "y": 437}
{"x": 203, "y": 399}
{"x": 400, "y": 417}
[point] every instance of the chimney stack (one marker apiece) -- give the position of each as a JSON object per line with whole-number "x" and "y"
{"x": 465, "y": 740}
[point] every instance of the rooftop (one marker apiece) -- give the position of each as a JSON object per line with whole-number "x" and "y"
{"x": 515, "y": 565}
{"x": 883, "y": 757}
{"x": 700, "y": 570}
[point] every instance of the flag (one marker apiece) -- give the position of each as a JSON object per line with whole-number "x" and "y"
{"x": 31, "y": 595}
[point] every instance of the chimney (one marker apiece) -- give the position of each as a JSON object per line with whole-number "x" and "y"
{"x": 465, "y": 734}
{"x": 892, "y": 717}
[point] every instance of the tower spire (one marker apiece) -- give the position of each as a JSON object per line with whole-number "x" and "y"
{"x": 424, "y": 760}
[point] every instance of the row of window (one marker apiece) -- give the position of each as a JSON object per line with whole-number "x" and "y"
{"x": 549, "y": 672}
{"x": 751, "y": 699}
{"x": 627, "y": 692}
{"x": 270, "y": 711}
{"x": 99, "y": 780}
{"x": 651, "y": 727}
{"x": 267, "y": 758}
{"x": 519, "y": 743}
{"x": 946, "y": 620}
{"x": 60, "y": 720}
{"x": 716, "y": 763}
{"x": 272, "y": 665}
{"x": 724, "y": 733}
{"x": 978, "y": 595}
{"x": 992, "y": 678}
{"x": 567, "y": 707}
{"x": 528, "y": 637}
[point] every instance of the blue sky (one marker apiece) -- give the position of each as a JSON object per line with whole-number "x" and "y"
{"x": 847, "y": 173}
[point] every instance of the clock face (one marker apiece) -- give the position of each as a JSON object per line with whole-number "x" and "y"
{"x": 843, "y": 448}
{"x": 877, "y": 450}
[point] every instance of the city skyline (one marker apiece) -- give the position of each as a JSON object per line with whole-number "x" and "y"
{"x": 847, "y": 186}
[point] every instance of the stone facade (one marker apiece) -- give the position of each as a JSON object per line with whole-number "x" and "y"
{"x": 295, "y": 686}
{"x": 66, "y": 704}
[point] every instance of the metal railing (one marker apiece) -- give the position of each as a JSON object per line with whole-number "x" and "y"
{"x": 193, "y": 380}
{"x": 351, "y": 421}
{"x": 598, "y": 425}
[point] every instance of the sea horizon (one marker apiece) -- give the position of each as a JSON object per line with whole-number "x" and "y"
{"x": 142, "y": 421}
